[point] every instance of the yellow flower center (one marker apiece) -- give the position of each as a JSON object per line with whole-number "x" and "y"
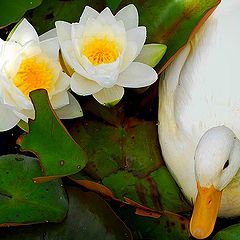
{"x": 34, "y": 73}
{"x": 101, "y": 50}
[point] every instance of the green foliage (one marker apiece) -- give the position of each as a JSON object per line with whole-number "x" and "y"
{"x": 88, "y": 218}
{"x": 158, "y": 195}
{"x": 151, "y": 54}
{"x": 125, "y": 158}
{"x": 113, "y": 4}
{"x": 229, "y": 233}
{"x": 43, "y": 18}
{"x": 24, "y": 202}
{"x": 13, "y": 10}
{"x": 58, "y": 153}
{"x": 166, "y": 227}
{"x": 171, "y": 22}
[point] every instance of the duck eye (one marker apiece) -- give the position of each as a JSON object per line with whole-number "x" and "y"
{"x": 226, "y": 164}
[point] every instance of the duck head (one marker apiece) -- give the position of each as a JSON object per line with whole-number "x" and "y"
{"x": 217, "y": 160}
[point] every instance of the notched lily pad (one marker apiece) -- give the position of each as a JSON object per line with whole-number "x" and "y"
{"x": 24, "y": 202}
{"x": 48, "y": 139}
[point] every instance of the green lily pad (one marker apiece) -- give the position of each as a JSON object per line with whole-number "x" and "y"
{"x": 89, "y": 217}
{"x": 24, "y": 202}
{"x": 171, "y": 22}
{"x": 13, "y": 10}
{"x": 157, "y": 191}
{"x": 133, "y": 146}
{"x": 58, "y": 153}
{"x": 229, "y": 233}
{"x": 44, "y": 17}
{"x": 126, "y": 159}
{"x": 167, "y": 227}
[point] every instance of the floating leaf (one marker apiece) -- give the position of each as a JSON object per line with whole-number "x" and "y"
{"x": 58, "y": 153}
{"x": 167, "y": 227}
{"x": 13, "y": 10}
{"x": 229, "y": 233}
{"x": 133, "y": 146}
{"x": 172, "y": 22}
{"x": 44, "y": 17}
{"x": 89, "y": 217}
{"x": 126, "y": 159}
{"x": 157, "y": 191}
{"x": 24, "y": 202}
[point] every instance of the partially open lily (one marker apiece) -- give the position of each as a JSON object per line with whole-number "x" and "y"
{"x": 100, "y": 50}
{"x": 27, "y": 64}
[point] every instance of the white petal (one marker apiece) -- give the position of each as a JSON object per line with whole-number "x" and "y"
{"x": 13, "y": 96}
{"x": 63, "y": 31}
{"x": 24, "y": 33}
{"x": 72, "y": 110}
{"x": 129, "y": 55}
{"x": 25, "y": 114}
{"x": 109, "y": 96}
{"x": 137, "y": 35}
{"x": 49, "y": 34}
{"x": 11, "y": 58}
{"x": 67, "y": 52}
{"x": 30, "y": 113}
{"x": 151, "y": 54}
{"x": 83, "y": 86}
{"x": 60, "y": 100}
{"x": 106, "y": 17}
{"x": 1, "y": 45}
{"x": 7, "y": 118}
{"x": 62, "y": 83}
{"x": 88, "y": 13}
{"x": 129, "y": 16}
{"x": 77, "y": 32}
{"x": 70, "y": 58}
{"x": 77, "y": 67}
{"x": 31, "y": 49}
{"x": 50, "y": 47}
{"x": 137, "y": 75}
{"x": 104, "y": 74}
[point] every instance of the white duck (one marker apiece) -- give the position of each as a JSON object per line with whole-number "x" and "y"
{"x": 199, "y": 119}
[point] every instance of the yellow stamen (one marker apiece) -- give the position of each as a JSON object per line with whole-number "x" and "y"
{"x": 34, "y": 73}
{"x": 101, "y": 50}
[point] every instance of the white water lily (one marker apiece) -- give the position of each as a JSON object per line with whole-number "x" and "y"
{"x": 27, "y": 64}
{"x": 100, "y": 50}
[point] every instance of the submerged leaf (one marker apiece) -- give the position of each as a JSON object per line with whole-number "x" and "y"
{"x": 24, "y": 202}
{"x": 89, "y": 217}
{"x": 166, "y": 227}
{"x": 58, "y": 153}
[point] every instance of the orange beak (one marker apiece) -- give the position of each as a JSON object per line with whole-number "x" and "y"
{"x": 205, "y": 211}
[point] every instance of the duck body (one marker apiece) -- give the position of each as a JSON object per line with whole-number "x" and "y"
{"x": 200, "y": 90}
